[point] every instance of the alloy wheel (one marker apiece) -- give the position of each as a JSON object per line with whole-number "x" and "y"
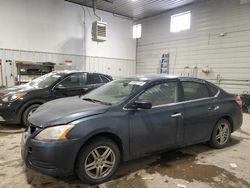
{"x": 223, "y": 133}
{"x": 100, "y": 162}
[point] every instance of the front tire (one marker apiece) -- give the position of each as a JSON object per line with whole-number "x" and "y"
{"x": 221, "y": 134}
{"x": 98, "y": 161}
{"x": 28, "y": 112}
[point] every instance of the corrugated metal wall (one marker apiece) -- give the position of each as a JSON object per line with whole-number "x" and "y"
{"x": 226, "y": 57}
{"x": 112, "y": 66}
{"x": 9, "y": 69}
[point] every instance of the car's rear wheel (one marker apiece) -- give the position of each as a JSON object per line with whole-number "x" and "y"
{"x": 28, "y": 112}
{"x": 221, "y": 134}
{"x": 98, "y": 161}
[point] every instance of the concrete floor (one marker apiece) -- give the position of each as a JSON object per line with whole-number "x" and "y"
{"x": 196, "y": 166}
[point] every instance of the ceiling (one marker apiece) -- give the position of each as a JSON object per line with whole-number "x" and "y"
{"x": 135, "y": 9}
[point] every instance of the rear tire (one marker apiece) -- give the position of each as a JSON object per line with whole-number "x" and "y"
{"x": 93, "y": 166}
{"x": 27, "y": 113}
{"x": 221, "y": 134}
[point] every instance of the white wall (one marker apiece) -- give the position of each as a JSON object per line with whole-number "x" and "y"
{"x": 227, "y": 57}
{"x": 57, "y": 26}
{"x": 54, "y": 30}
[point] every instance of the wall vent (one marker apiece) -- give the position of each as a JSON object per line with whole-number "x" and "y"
{"x": 99, "y": 31}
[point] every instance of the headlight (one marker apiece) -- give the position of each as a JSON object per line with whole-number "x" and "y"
{"x": 10, "y": 98}
{"x": 55, "y": 133}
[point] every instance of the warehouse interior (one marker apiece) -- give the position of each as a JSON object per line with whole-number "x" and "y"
{"x": 205, "y": 39}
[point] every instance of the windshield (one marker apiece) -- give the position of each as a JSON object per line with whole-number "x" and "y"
{"x": 114, "y": 92}
{"x": 46, "y": 80}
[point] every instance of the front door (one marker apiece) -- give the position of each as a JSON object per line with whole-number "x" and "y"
{"x": 72, "y": 85}
{"x": 160, "y": 127}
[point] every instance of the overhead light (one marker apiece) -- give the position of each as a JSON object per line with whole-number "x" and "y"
{"x": 137, "y": 31}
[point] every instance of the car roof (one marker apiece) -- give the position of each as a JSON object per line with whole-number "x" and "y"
{"x": 159, "y": 77}
{"x": 74, "y": 71}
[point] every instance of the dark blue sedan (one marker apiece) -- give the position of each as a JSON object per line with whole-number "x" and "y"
{"x": 126, "y": 119}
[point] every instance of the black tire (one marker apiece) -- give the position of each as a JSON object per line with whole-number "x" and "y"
{"x": 85, "y": 155}
{"x": 248, "y": 109}
{"x": 27, "y": 112}
{"x": 216, "y": 141}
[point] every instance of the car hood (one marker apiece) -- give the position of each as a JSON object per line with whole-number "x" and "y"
{"x": 16, "y": 89}
{"x": 65, "y": 110}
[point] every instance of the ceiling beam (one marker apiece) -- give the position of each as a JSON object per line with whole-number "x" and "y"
{"x": 115, "y": 14}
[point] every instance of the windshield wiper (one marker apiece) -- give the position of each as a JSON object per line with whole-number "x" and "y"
{"x": 88, "y": 99}
{"x": 97, "y": 101}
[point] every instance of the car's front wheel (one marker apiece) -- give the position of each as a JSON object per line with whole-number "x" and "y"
{"x": 28, "y": 112}
{"x": 221, "y": 134}
{"x": 98, "y": 161}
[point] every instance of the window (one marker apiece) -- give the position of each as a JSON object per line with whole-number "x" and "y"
{"x": 180, "y": 22}
{"x": 94, "y": 79}
{"x": 46, "y": 80}
{"x": 104, "y": 79}
{"x": 117, "y": 91}
{"x": 137, "y": 31}
{"x": 214, "y": 90}
{"x": 161, "y": 94}
{"x": 74, "y": 81}
{"x": 193, "y": 90}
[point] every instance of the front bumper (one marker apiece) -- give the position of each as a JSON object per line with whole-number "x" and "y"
{"x": 51, "y": 158}
{"x": 2, "y": 119}
{"x": 8, "y": 113}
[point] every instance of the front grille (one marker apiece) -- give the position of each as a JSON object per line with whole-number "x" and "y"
{"x": 32, "y": 129}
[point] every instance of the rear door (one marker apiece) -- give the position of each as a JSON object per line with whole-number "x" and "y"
{"x": 198, "y": 112}
{"x": 93, "y": 81}
{"x": 159, "y": 127}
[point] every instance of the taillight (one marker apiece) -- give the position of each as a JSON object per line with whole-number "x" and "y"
{"x": 238, "y": 100}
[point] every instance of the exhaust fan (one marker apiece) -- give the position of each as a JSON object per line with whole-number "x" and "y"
{"x": 99, "y": 31}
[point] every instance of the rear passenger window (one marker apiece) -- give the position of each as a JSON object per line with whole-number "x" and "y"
{"x": 213, "y": 90}
{"x": 94, "y": 79}
{"x": 194, "y": 90}
{"x": 104, "y": 79}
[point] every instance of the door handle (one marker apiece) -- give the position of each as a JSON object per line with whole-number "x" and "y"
{"x": 213, "y": 108}
{"x": 175, "y": 115}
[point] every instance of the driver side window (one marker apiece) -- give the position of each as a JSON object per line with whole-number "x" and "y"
{"x": 161, "y": 94}
{"x": 73, "y": 81}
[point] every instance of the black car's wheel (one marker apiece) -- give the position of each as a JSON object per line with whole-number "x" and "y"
{"x": 248, "y": 109}
{"x": 98, "y": 161}
{"x": 28, "y": 112}
{"x": 221, "y": 134}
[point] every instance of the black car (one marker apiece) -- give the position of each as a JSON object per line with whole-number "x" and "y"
{"x": 19, "y": 102}
{"x": 126, "y": 119}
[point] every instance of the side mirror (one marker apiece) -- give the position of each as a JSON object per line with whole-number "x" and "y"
{"x": 142, "y": 104}
{"x": 59, "y": 87}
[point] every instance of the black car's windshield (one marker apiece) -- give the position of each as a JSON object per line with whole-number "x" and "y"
{"x": 46, "y": 80}
{"x": 114, "y": 92}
